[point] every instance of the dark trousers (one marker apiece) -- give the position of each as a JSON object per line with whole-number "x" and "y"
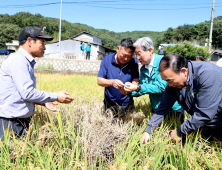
{"x": 87, "y": 55}
{"x": 211, "y": 133}
{"x": 16, "y": 126}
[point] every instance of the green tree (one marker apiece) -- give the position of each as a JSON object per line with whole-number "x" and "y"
{"x": 8, "y": 32}
{"x": 188, "y": 50}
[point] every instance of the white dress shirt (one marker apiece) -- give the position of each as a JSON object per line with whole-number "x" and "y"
{"x": 150, "y": 66}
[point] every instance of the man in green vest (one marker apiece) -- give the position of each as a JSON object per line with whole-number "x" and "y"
{"x": 150, "y": 80}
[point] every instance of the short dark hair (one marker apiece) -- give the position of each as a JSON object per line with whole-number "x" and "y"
{"x": 173, "y": 61}
{"x": 200, "y": 57}
{"x": 23, "y": 41}
{"x": 128, "y": 43}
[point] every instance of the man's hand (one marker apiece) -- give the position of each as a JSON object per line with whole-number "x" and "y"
{"x": 63, "y": 97}
{"x": 117, "y": 84}
{"x": 145, "y": 138}
{"x": 50, "y": 106}
{"x": 130, "y": 87}
{"x": 174, "y": 136}
{"x": 123, "y": 91}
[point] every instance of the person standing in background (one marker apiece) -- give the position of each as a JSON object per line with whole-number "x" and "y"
{"x": 88, "y": 50}
{"x": 199, "y": 58}
{"x": 161, "y": 51}
{"x": 82, "y": 48}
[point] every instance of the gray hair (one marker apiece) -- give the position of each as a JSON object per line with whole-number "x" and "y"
{"x": 145, "y": 43}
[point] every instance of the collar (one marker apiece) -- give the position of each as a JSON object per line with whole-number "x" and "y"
{"x": 26, "y": 54}
{"x": 113, "y": 59}
{"x": 190, "y": 74}
{"x": 188, "y": 78}
{"x": 151, "y": 63}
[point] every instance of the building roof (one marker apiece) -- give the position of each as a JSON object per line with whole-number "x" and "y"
{"x": 84, "y": 32}
{"x": 107, "y": 49}
{"x": 166, "y": 45}
{"x": 217, "y": 52}
{"x": 14, "y": 43}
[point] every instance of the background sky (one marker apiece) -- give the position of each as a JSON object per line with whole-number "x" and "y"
{"x": 120, "y": 15}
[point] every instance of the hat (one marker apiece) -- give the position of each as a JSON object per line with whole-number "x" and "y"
{"x": 33, "y": 32}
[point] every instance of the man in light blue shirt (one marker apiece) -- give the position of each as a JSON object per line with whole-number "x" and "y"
{"x": 18, "y": 93}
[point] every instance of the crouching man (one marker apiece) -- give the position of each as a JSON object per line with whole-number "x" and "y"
{"x": 115, "y": 70}
{"x": 197, "y": 88}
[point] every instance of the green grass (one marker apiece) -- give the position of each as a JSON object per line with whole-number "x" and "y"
{"x": 80, "y": 136}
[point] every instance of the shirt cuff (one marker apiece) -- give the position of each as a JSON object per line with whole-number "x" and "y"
{"x": 148, "y": 129}
{"x": 53, "y": 96}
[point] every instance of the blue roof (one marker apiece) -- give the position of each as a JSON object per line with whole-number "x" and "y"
{"x": 197, "y": 46}
{"x": 166, "y": 45}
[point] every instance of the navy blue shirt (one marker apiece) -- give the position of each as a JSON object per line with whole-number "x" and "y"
{"x": 110, "y": 69}
{"x": 202, "y": 99}
{"x": 161, "y": 51}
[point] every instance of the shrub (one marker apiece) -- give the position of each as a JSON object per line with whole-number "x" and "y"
{"x": 187, "y": 50}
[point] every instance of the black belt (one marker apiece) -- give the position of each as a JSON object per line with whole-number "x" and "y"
{"x": 18, "y": 119}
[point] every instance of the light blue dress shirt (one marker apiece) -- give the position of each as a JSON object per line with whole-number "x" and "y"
{"x": 18, "y": 93}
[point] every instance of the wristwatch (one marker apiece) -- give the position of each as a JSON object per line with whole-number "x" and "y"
{"x": 138, "y": 88}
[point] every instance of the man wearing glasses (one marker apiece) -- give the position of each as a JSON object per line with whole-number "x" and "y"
{"x": 150, "y": 80}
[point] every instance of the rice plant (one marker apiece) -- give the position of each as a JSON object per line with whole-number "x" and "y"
{"x": 81, "y": 136}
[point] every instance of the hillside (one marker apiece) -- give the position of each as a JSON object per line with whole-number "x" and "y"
{"x": 10, "y": 26}
{"x": 197, "y": 34}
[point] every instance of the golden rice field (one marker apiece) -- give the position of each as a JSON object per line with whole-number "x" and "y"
{"x": 81, "y": 137}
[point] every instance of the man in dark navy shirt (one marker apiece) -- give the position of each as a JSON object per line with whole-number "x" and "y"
{"x": 115, "y": 70}
{"x": 161, "y": 51}
{"x": 196, "y": 85}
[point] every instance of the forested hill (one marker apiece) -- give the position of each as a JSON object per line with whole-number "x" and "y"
{"x": 197, "y": 34}
{"x": 11, "y": 25}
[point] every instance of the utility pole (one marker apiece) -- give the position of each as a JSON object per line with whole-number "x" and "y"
{"x": 60, "y": 30}
{"x": 211, "y": 26}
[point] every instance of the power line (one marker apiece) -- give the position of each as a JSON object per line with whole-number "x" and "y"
{"x": 96, "y": 2}
{"x": 151, "y": 9}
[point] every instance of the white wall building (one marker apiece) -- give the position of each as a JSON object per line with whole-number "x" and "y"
{"x": 70, "y": 48}
{"x": 13, "y": 46}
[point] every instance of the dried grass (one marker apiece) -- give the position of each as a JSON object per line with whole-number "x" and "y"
{"x": 102, "y": 132}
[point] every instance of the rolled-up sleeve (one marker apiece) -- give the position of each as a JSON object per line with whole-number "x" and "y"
{"x": 24, "y": 81}
{"x": 103, "y": 69}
